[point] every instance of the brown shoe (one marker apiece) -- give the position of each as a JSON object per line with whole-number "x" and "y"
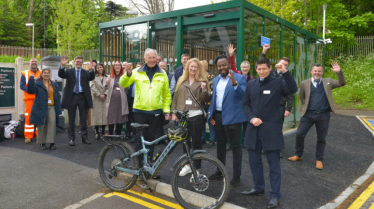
{"x": 319, "y": 165}
{"x": 295, "y": 158}
{"x": 27, "y": 140}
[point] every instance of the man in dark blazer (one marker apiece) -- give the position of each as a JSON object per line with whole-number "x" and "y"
{"x": 226, "y": 116}
{"x": 316, "y": 96}
{"x": 77, "y": 93}
{"x": 178, "y": 73}
{"x": 264, "y": 132}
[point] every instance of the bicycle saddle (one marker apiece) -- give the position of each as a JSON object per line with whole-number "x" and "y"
{"x": 137, "y": 125}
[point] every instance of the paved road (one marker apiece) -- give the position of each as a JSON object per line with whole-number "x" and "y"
{"x": 348, "y": 155}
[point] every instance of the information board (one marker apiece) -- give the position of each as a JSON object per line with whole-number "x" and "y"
{"x": 265, "y": 40}
{"x": 7, "y": 85}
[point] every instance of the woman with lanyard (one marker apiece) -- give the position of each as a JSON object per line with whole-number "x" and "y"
{"x": 195, "y": 79}
{"x": 117, "y": 107}
{"x": 99, "y": 93}
{"x": 45, "y": 109}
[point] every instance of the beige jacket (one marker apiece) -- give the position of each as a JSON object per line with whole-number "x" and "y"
{"x": 124, "y": 103}
{"x": 328, "y": 84}
{"x": 182, "y": 94}
{"x": 98, "y": 116}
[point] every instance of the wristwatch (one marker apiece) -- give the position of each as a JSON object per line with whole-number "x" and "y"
{"x": 236, "y": 83}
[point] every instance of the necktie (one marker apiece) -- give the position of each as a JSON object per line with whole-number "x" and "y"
{"x": 317, "y": 84}
{"x": 76, "y": 90}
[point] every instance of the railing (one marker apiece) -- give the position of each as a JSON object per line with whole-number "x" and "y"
{"x": 364, "y": 46}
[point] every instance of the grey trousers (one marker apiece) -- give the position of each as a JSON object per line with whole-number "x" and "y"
{"x": 47, "y": 132}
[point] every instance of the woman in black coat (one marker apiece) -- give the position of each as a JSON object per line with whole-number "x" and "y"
{"x": 45, "y": 109}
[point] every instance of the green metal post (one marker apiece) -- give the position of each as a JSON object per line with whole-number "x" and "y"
{"x": 179, "y": 40}
{"x": 100, "y": 48}
{"x": 294, "y": 75}
{"x": 306, "y": 58}
{"x": 240, "y": 37}
{"x": 149, "y": 35}
{"x": 264, "y": 30}
{"x": 281, "y": 42}
{"x": 123, "y": 44}
{"x": 323, "y": 57}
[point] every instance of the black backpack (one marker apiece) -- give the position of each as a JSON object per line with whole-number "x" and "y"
{"x": 20, "y": 130}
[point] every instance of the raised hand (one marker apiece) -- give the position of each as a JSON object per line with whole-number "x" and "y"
{"x": 281, "y": 68}
{"x": 90, "y": 65}
{"x": 335, "y": 67}
{"x": 128, "y": 68}
{"x": 265, "y": 48}
{"x": 233, "y": 81}
{"x": 231, "y": 49}
{"x": 107, "y": 82}
{"x": 203, "y": 86}
{"x": 64, "y": 61}
{"x": 256, "y": 121}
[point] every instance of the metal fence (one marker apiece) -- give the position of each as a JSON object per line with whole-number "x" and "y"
{"x": 364, "y": 46}
{"x": 43, "y": 52}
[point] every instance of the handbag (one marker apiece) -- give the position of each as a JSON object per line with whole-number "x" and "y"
{"x": 194, "y": 98}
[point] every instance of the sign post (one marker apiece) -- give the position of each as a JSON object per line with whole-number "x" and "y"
{"x": 7, "y": 85}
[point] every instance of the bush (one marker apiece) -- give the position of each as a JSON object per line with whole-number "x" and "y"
{"x": 358, "y": 92}
{"x": 12, "y": 59}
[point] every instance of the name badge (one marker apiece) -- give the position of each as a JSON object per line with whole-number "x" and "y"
{"x": 266, "y": 91}
{"x": 188, "y": 102}
{"x": 49, "y": 101}
{"x": 117, "y": 88}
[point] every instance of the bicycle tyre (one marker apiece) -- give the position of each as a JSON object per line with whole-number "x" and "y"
{"x": 107, "y": 173}
{"x": 195, "y": 196}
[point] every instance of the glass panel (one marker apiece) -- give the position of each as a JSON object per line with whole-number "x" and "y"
{"x": 111, "y": 47}
{"x": 319, "y": 53}
{"x": 288, "y": 51}
{"x": 300, "y": 70}
{"x": 208, "y": 43}
{"x": 253, "y": 30}
{"x": 213, "y": 12}
{"x": 135, "y": 42}
{"x": 311, "y": 56}
{"x": 272, "y": 31}
{"x": 164, "y": 41}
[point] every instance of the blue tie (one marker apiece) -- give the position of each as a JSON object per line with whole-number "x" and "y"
{"x": 76, "y": 90}
{"x": 317, "y": 84}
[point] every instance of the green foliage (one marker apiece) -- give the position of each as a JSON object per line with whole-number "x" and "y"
{"x": 12, "y": 59}
{"x": 358, "y": 90}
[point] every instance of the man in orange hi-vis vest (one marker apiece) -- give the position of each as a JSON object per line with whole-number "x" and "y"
{"x": 29, "y": 98}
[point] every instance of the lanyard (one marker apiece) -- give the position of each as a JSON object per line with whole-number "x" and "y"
{"x": 48, "y": 91}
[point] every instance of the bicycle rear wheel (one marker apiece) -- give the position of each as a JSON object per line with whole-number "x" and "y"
{"x": 210, "y": 194}
{"x": 112, "y": 155}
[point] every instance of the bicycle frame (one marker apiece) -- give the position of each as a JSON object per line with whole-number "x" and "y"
{"x": 158, "y": 164}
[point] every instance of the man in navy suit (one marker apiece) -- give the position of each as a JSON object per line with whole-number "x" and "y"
{"x": 264, "y": 132}
{"x": 226, "y": 115}
{"x": 178, "y": 73}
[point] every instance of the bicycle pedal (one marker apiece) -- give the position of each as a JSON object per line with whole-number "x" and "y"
{"x": 144, "y": 186}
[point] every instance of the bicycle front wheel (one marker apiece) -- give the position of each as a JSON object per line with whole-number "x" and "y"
{"x": 207, "y": 194}
{"x": 111, "y": 156}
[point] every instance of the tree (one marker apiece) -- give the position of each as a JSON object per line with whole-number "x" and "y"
{"x": 77, "y": 20}
{"x": 153, "y": 6}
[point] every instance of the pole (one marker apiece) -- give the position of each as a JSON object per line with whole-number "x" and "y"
{"x": 324, "y": 20}
{"x": 33, "y": 41}
{"x": 44, "y": 31}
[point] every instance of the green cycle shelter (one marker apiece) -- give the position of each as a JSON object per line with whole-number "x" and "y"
{"x": 205, "y": 32}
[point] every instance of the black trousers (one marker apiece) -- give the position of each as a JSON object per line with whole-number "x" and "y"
{"x": 195, "y": 130}
{"x": 149, "y": 133}
{"x": 102, "y": 129}
{"x": 322, "y": 121}
{"x": 223, "y": 134}
{"x": 131, "y": 118}
{"x": 118, "y": 128}
{"x": 78, "y": 100}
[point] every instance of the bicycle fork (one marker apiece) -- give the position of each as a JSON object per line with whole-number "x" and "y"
{"x": 197, "y": 181}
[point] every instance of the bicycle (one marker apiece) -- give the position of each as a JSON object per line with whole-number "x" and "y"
{"x": 119, "y": 169}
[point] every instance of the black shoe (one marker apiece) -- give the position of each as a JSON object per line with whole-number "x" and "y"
{"x": 273, "y": 203}
{"x": 133, "y": 140}
{"x": 43, "y": 147}
{"x": 216, "y": 176}
{"x": 253, "y": 192}
{"x": 263, "y": 152}
{"x": 281, "y": 154}
{"x": 80, "y": 132}
{"x": 235, "y": 182}
{"x": 157, "y": 176}
{"x": 52, "y": 146}
{"x": 85, "y": 141}
{"x": 210, "y": 144}
{"x": 228, "y": 147}
{"x": 203, "y": 142}
{"x": 72, "y": 142}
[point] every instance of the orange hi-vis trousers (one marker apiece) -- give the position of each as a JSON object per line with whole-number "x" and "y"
{"x": 29, "y": 128}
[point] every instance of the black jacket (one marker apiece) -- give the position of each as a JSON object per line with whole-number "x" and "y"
{"x": 69, "y": 75}
{"x": 286, "y": 100}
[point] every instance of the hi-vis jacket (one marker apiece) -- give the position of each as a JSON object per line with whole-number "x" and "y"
{"x": 24, "y": 83}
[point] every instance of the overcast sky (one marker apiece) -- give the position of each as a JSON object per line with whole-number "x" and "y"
{"x": 178, "y": 4}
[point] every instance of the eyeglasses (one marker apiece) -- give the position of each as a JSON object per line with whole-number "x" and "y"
{"x": 118, "y": 65}
{"x": 79, "y": 62}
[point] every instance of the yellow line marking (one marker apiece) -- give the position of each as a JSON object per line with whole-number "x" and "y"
{"x": 158, "y": 200}
{"x": 367, "y": 122}
{"x": 372, "y": 206}
{"x": 134, "y": 199}
{"x": 363, "y": 197}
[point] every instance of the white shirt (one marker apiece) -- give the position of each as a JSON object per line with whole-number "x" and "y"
{"x": 315, "y": 82}
{"x": 221, "y": 86}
